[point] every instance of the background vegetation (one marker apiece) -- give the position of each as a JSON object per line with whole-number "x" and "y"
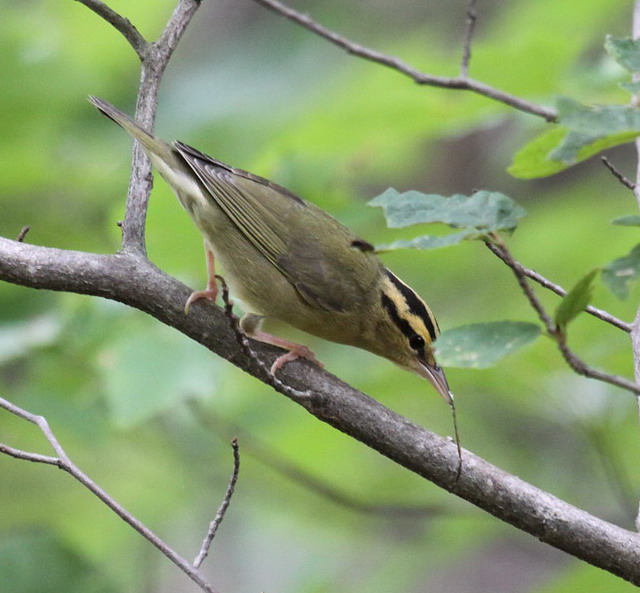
{"x": 258, "y": 92}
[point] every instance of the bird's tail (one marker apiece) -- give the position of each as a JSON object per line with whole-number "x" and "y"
{"x": 152, "y": 145}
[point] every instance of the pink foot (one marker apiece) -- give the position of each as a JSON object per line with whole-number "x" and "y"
{"x": 210, "y": 293}
{"x": 297, "y": 351}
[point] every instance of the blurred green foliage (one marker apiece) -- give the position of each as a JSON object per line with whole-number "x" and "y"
{"x": 254, "y": 90}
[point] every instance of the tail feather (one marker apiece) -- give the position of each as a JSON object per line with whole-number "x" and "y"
{"x": 153, "y": 146}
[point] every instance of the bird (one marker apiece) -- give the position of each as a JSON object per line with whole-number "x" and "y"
{"x": 287, "y": 259}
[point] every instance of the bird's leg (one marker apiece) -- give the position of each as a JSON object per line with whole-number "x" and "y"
{"x": 250, "y": 324}
{"x": 211, "y": 292}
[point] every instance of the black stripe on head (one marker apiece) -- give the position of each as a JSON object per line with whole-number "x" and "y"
{"x": 416, "y": 305}
{"x": 403, "y": 325}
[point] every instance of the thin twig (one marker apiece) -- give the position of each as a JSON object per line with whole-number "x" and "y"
{"x": 176, "y": 26}
{"x": 64, "y": 463}
{"x": 617, "y": 174}
{"x": 581, "y": 367}
{"x": 540, "y": 279}
{"x": 120, "y": 23}
{"x": 27, "y": 455}
{"x": 472, "y": 17}
{"x": 154, "y": 62}
{"x": 285, "y": 467}
{"x": 460, "y": 83}
{"x": 496, "y": 244}
{"x": 23, "y": 233}
{"x": 222, "y": 509}
{"x": 558, "y": 335}
{"x": 245, "y": 345}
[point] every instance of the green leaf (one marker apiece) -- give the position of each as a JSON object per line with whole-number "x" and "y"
{"x": 430, "y": 241}
{"x": 625, "y": 51}
{"x": 584, "y": 131}
{"x": 532, "y": 160}
{"x": 480, "y": 345}
{"x": 575, "y": 301}
{"x": 483, "y": 211}
{"x": 577, "y": 147}
{"x": 620, "y": 272}
{"x": 630, "y": 220}
{"x": 593, "y": 128}
{"x": 597, "y": 120}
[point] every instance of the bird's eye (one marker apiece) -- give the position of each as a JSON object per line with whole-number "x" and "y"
{"x": 416, "y": 342}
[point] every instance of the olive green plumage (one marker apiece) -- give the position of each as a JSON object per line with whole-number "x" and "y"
{"x": 289, "y": 260}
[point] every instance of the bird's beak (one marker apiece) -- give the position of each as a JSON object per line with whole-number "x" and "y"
{"x": 437, "y": 378}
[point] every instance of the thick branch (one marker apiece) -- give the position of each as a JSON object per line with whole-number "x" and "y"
{"x": 136, "y": 282}
{"x": 460, "y": 82}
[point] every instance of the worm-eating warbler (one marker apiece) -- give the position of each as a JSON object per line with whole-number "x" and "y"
{"x": 287, "y": 259}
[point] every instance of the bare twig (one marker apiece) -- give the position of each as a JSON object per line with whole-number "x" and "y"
{"x": 154, "y": 62}
{"x": 571, "y": 358}
{"x": 495, "y": 244}
{"x": 580, "y": 367}
{"x": 120, "y": 23}
{"x": 23, "y": 233}
{"x": 617, "y": 174}
{"x": 460, "y": 82}
{"x": 176, "y": 26}
{"x": 285, "y": 467}
{"x": 27, "y": 455}
{"x": 222, "y": 509}
{"x": 250, "y": 353}
{"x": 540, "y": 279}
{"x": 64, "y": 463}
{"x": 472, "y": 17}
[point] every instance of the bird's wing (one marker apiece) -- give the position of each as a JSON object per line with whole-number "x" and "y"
{"x": 250, "y": 206}
{"x": 326, "y": 275}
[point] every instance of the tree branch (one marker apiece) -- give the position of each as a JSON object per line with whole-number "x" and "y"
{"x": 460, "y": 83}
{"x": 135, "y": 281}
{"x": 559, "y": 336}
{"x": 472, "y": 17}
{"x": 544, "y": 282}
{"x": 617, "y": 174}
{"x": 154, "y": 61}
{"x": 64, "y": 463}
{"x": 222, "y": 509}
{"x": 120, "y": 23}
